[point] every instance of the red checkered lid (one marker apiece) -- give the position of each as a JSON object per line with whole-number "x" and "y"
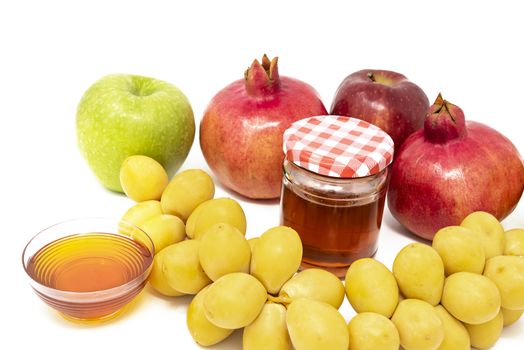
{"x": 338, "y": 146}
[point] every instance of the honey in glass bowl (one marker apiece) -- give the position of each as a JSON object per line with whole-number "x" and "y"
{"x": 89, "y": 269}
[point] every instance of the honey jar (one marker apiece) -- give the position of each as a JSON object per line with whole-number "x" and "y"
{"x": 334, "y": 187}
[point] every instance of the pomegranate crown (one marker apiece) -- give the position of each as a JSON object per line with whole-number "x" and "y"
{"x": 444, "y": 121}
{"x": 262, "y": 79}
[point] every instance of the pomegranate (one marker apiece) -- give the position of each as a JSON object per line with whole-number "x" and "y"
{"x": 242, "y": 128}
{"x": 451, "y": 168}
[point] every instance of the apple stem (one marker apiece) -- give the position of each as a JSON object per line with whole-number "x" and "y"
{"x": 444, "y": 122}
{"x": 371, "y": 76}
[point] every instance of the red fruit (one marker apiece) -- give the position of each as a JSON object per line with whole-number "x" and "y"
{"x": 450, "y": 169}
{"x": 242, "y": 128}
{"x": 384, "y": 98}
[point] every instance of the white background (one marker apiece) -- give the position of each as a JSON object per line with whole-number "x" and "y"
{"x": 51, "y": 51}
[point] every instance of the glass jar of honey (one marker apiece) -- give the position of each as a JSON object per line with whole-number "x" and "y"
{"x": 334, "y": 187}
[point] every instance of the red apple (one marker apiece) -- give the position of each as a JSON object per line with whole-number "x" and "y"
{"x": 384, "y": 98}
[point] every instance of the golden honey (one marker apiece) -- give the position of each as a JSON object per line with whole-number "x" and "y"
{"x": 333, "y": 236}
{"x": 103, "y": 272}
{"x": 338, "y": 220}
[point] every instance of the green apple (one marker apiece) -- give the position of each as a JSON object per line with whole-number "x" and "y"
{"x": 122, "y": 115}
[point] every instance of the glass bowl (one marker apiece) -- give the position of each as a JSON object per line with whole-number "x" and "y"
{"x": 89, "y": 269}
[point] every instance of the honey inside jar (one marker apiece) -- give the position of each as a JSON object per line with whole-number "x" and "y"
{"x": 335, "y": 177}
{"x": 334, "y": 231}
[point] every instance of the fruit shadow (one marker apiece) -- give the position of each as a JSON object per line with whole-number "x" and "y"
{"x": 236, "y": 195}
{"x": 397, "y": 227}
{"x": 180, "y": 302}
{"x": 234, "y": 341}
{"x": 513, "y": 331}
{"x": 127, "y": 311}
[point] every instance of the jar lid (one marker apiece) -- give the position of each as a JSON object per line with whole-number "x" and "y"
{"x": 338, "y": 146}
